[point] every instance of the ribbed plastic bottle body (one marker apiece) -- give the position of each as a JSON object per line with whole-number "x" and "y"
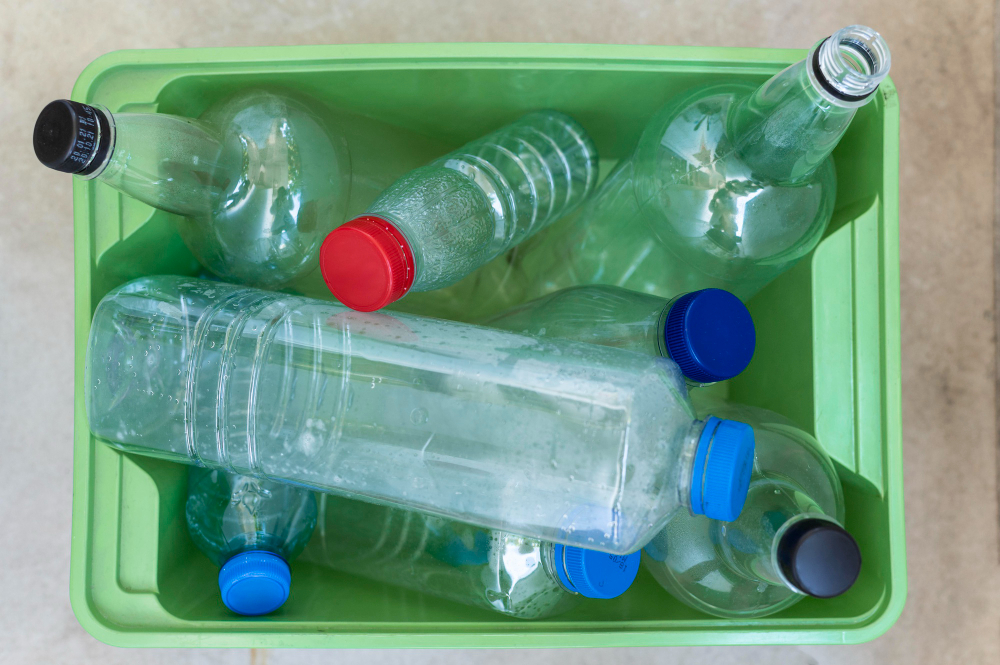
{"x": 484, "y": 568}
{"x": 229, "y": 514}
{"x": 728, "y": 569}
{"x": 466, "y": 208}
{"x": 728, "y": 187}
{"x": 556, "y": 440}
{"x": 597, "y": 314}
{"x": 260, "y": 178}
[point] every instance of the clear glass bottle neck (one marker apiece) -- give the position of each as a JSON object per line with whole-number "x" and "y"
{"x": 750, "y": 544}
{"x": 788, "y": 127}
{"x": 175, "y": 164}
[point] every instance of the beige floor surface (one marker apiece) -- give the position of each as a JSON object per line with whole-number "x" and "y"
{"x": 943, "y": 65}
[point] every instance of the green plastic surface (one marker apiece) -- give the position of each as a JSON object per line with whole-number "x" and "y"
{"x": 827, "y": 355}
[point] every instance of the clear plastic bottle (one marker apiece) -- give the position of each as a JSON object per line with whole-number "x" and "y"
{"x": 251, "y": 528}
{"x": 729, "y": 186}
{"x": 788, "y": 542}
{"x": 557, "y": 440}
{"x": 259, "y": 178}
{"x": 709, "y": 333}
{"x": 438, "y": 223}
{"x": 495, "y": 570}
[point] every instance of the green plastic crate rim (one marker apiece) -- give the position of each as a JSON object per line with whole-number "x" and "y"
{"x": 828, "y": 350}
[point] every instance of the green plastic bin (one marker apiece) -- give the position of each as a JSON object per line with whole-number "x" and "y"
{"x": 827, "y": 357}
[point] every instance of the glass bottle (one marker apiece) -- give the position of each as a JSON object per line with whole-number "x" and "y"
{"x": 729, "y": 186}
{"x": 258, "y": 180}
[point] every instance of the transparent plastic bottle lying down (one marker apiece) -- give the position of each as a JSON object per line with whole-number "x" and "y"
{"x": 709, "y": 334}
{"x": 557, "y": 440}
{"x": 788, "y": 542}
{"x": 729, "y": 186}
{"x": 514, "y": 575}
{"x": 259, "y": 178}
{"x": 251, "y": 528}
{"x": 438, "y": 223}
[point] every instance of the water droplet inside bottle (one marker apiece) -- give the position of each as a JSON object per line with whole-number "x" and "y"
{"x": 419, "y": 416}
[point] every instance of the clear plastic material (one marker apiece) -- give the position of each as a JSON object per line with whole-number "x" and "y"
{"x": 260, "y": 178}
{"x": 605, "y": 315}
{"x": 466, "y": 208}
{"x": 493, "y": 570}
{"x": 709, "y": 333}
{"x": 728, "y": 187}
{"x": 229, "y": 514}
{"x": 553, "y": 439}
{"x": 730, "y": 569}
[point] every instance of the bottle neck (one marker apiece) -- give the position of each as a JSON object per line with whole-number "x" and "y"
{"x": 788, "y": 126}
{"x": 175, "y": 164}
{"x": 750, "y": 544}
{"x": 685, "y": 464}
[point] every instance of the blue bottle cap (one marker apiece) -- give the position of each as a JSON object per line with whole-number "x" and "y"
{"x": 595, "y": 574}
{"x": 710, "y": 335}
{"x": 254, "y": 583}
{"x": 722, "y": 467}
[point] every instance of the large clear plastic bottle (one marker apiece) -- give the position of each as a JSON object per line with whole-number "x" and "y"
{"x": 789, "y": 541}
{"x": 552, "y": 439}
{"x": 729, "y": 186}
{"x": 259, "y": 179}
{"x": 514, "y": 575}
{"x": 439, "y": 223}
{"x": 251, "y": 528}
{"x": 709, "y": 333}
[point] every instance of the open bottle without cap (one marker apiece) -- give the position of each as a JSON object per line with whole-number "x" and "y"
{"x": 789, "y": 541}
{"x": 258, "y": 180}
{"x": 570, "y": 443}
{"x": 441, "y": 222}
{"x": 513, "y": 575}
{"x": 252, "y": 529}
{"x": 729, "y": 186}
{"x": 709, "y": 334}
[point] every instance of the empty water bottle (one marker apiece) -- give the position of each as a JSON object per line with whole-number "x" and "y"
{"x": 438, "y": 223}
{"x": 709, "y": 333}
{"x": 252, "y": 528}
{"x": 788, "y": 542}
{"x": 495, "y": 570}
{"x": 260, "y": 177}
{"x": 729, "y": 186}
{"x": 552, "y": 439}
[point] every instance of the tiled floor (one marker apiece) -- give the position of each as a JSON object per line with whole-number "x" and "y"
{"x": 944, "y": 68}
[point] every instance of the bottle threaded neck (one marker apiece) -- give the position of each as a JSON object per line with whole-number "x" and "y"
{"x": 850, "y": 64}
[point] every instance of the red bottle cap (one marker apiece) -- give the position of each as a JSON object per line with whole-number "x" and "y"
{"x": 367, "y": 263}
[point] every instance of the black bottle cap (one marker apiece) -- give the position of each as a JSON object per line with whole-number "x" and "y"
{"x": 72, "y": 137}
{"x": 819, "y": 557}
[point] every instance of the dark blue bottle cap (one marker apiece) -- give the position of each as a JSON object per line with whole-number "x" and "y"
{"x": 254, "y": 583}
{"x": 819, "y": 557}
{"x": 722, "y": 466}
{"x": 595, "y": 574}
{"x": 710, "y": 335}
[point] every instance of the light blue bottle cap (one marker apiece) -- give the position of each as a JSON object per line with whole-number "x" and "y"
{"x": 254, "y": 583}
{"x": 722, "y": 467}
{"x": 595, "y": 574}
{"x": 710, "y": 335}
